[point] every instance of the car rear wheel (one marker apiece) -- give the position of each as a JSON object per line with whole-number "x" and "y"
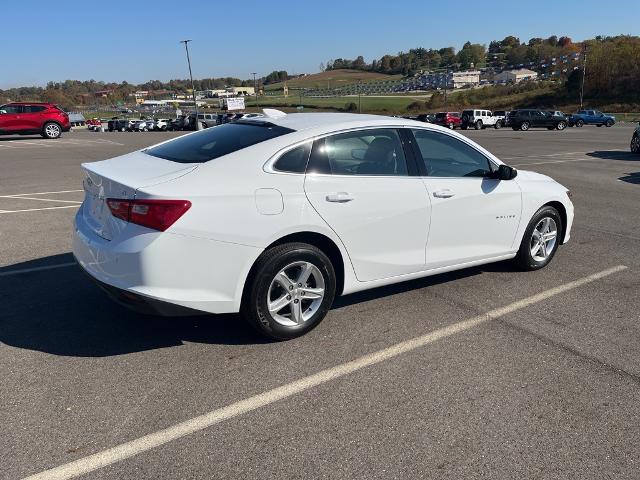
{"x": 498, "y": 125}
{"x": 580, "y": 123}
{"x": 635, "y": 144}
{"x": 524, "y": 126}
{"x": 541, "y": 239}
{"x": 609, "y": 123}
{"x": 51, "y": 130}
{"x": 561, "y": 126}
{"x": 478, "y": 125}
{"x": 290, "y": 292}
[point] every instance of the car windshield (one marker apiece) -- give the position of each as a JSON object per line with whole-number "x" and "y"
{"x": 217, "y": 141}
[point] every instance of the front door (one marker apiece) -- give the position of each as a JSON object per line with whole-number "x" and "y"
{"x": 473, "y": 216}
{"x": 362, "y": 185}
{"x": 10, "y": 118}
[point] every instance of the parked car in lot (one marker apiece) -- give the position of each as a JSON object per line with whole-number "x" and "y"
{"x": 448, "y": 119}
{"x": 293, "y": 198}
{"x": 120, "y": 125}
{"x": 480, "y": 119}
{"x": 524, "y": 119}
{"x": 94, "y": 124}
{"x": 29, "y": 118}
{"x": 635, "y": 141}
{"x": 144, "y": 125}
{"x": 423, "y": 117}
{"x": 161, "y": 124}
{"x": 591, "y": 117}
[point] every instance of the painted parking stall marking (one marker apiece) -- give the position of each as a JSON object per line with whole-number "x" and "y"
{"x": 153, "y": 440}
{"x": 37, "y": 198}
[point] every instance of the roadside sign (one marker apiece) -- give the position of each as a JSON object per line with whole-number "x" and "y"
{"x": 235, "y": 103}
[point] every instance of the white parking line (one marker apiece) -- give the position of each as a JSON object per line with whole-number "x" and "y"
{"x": 38, "y": 209}
{"x": 156, "y": 439}
{"x": 555, "y": 161}
{"x": 18, "y": 195}
{"x": 36, "y": 269}
{"x": 43, "y": 199}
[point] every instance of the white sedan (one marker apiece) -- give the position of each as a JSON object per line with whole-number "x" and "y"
{"x": 275, "y": 216}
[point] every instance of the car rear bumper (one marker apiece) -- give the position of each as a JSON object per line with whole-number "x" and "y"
{"x": 160, "y": 271}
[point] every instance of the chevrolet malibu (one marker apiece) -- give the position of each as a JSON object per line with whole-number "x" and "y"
{"x": 274, "y": 216}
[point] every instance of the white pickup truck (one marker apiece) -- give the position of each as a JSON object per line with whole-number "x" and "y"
{"x": 481, "y": 119}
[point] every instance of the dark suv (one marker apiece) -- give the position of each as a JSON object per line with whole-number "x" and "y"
{"x": 28, "y": 118}
{"x": 524, "y": 119}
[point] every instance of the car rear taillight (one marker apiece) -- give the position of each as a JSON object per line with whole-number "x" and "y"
{"x": 155, "y": 214}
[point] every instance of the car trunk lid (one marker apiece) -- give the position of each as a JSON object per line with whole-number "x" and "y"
{"x": 120, "y": 178}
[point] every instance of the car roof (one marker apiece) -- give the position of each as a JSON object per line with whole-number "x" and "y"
{"x": 29, "y": 103}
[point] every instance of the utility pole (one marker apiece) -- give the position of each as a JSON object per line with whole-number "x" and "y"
{"x": 446, "y": 84}
{"x": 584, "y": 74}
{"x": 255, "y": 89}
{"x": 359, "y": 99}
{"x": 193, "y": 90}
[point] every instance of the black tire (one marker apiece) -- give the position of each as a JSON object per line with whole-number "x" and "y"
{"x": 551, "y": 128}
{"x": 255, "y": 299}
{"x": 498, "y": 125}
{"x": 524, "y": 259}
{"x": 524, "y": 126}
{"x": 561, "y": 126}
{"x": 609, "y": 123}
{"x": 51, "y": 130}
{"x": 463, "y": 126}
{"x": 515, "y": 129}
{"x": 478, "y": 125}
{"x": 580, "y": 123}
{"x": 635, "y": 144}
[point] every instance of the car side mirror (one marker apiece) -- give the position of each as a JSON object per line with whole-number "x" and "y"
{"x": 3, "y": 112}
{"x": 505, "y": 172}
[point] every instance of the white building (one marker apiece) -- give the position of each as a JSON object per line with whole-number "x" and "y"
{"x": 515, "y": 76}
{"x": 469, "y": 78}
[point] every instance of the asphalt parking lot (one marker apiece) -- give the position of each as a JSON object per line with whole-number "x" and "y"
{"x": 482, "y": 373}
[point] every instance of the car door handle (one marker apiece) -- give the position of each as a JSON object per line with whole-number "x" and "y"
{"x": 446, "y": 193}
{"x": 340, "y": 197}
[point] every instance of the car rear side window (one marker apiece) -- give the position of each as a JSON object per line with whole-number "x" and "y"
{"x": 217, "y": 141}
{"x": 294, "y": 160}
{"x": 446, "y": 156}
{"x": 34, "y": 108}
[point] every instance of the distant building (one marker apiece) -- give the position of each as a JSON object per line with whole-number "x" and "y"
{"x": 226, "y": 92}
{"x": 515, "y": 76}
{"x": 469, "y": 78}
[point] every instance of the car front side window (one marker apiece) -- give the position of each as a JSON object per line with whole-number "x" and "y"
{"x": 363, "y": 152}
{"x": 446, "y": 156}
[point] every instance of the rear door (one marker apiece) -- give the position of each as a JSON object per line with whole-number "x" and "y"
{"x": 32, "y": 116}
{"x": 364, "y": 186}
{"x": 473, "y": 216}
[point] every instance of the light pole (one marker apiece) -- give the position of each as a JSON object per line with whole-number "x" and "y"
{"x": 255, "y": 88}
{"x": 193, "y": 90}
{"x": 584, "y": 74}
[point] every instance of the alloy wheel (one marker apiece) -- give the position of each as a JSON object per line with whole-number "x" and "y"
{"x": 543, "y": 239}
{"x": 52, "y": 130}
{"x": 635, "y": 144}
{"x": 296, "y": 293}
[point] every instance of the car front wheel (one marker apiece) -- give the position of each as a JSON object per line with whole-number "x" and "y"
{"x": 561, "y": 126}
{"x": 635, "y": 144}
{"x": 609, "y": 123}
{"x": 498, "y": 125}
{"x": 580, "y": 123}
{"x": 51, "y": 130}
{"x": 525, "y": 126}
{"x": 541, "y": 239}
{"x": 290, "y": 292}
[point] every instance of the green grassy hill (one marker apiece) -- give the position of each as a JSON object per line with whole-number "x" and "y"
{"x": 332, "y": 79}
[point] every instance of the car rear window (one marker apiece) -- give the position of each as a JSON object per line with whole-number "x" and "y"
{"x": 217, "y": 141}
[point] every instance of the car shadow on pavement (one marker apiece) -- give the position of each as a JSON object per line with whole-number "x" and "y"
{"x": 631, "y": 178}
{"x": 615, "y": 155}
{"x": 60, "y": 312}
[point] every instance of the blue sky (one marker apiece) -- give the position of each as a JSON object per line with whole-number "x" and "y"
{"x": 116, "y": 40}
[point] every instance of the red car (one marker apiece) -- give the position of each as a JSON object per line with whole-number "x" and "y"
{"x": 29, "y": 118}
{"x": 448, "y": 119}
{"x": 94, "y": 124}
